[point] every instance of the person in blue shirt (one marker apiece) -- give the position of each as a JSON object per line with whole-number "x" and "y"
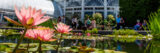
{"x": 118, "y": 19}
{"x": 122, "y": 23}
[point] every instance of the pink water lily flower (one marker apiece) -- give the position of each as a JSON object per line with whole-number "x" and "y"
{"x": 40, "y": 34}
{"x": 28, "y": 17}
{"x": 31, "y": 34}
{"x": 88, "y": 34}
{"x": 63, "y": 28}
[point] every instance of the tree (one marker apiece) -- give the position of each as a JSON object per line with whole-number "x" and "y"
{"x": 132, "y": 10}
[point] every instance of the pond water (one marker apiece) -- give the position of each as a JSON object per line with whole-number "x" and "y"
{"x": 133, "y": 47}
{"x": 136, "y": 46}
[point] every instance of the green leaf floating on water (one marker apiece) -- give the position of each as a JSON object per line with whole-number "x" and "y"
{"x": 33, "y": 49}
{"x": 12, "y": 46}
{"x": 8, "y": 49}
{"x": 3, "y": 47}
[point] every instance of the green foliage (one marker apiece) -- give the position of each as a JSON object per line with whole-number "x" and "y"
{"x": 110, "y": 21}
{"x": 7, "y": 32}
{"x": 94, "y": 30}
{"x": 131, "y": 10}
{"x": 3, "y": 47}
{"x": 111, "y": 17}
{"x": 129, "y": 38}
{"x": 105, "y": 21}
{"x": 48, "y": 23}
{"x": 125, "y": 32}
{"x": 155, "y": 47}
{"x": 54, "y": 21}
{"x": 88, "y": 31}
{"x": 97, "y": 17}
{"x": 87, "y": 16}
{"x": 127, "y": 35}
{"x": 8, "y": 47}
{"x": 154, "y": 24}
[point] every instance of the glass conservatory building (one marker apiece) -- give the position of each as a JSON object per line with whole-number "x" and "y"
{"x": 83, "y": 7}
{"x": 48, "y": 6}
{"x": 55, "y": 8}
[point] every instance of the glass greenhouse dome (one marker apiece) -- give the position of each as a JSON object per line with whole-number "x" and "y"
{"x": 48, "y": 6}
{"x": 89, "y": 7}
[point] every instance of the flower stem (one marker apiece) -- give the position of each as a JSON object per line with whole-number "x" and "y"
{"x": 20, "y": 40}
{"x": 59, "y": 43}
{"x": 28, "y": 46}
{"x": 40, "y": 47}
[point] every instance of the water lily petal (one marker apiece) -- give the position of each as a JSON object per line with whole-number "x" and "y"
{"x": 42, "y": 20}
{"x": 30, "y": 17}
{"x": 28, "y": 13}
{"x": 63, "y": 28}
{"x": 23, "y": 11}
{"x": 12, "y": 21}
{"x": 52, "y": 39}
{"x": 18, "y": 14}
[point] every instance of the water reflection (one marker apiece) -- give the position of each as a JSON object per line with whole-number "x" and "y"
{"x": 137, "y": 46}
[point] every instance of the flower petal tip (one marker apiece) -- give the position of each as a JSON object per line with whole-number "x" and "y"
{"x": 12, "y": 21}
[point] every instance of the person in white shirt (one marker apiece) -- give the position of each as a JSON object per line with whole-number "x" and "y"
{"x": 74, "y": 22}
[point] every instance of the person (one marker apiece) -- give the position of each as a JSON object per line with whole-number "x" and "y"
{"x": 102, "y": 26}
{"x": 118, "y": 19}
{"x": 59, "y": 19}
{"x": 74, "y": 22}
{"x": 144, "y": 24}
{"x": 63, "y": 19}
{"x": 93, "y": 24}
{"x": 80, "y": 24}
{"x": 88, "y": 22}
{"x": 121, "y": 23}
{"x": 138, "y": 25}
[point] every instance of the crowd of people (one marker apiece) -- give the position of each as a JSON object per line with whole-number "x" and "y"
{"x": 138, "y": 26}
{"x": 63, "y": 19}
{"x": 91, "y": 23}
{"x": 75, "y": 22}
